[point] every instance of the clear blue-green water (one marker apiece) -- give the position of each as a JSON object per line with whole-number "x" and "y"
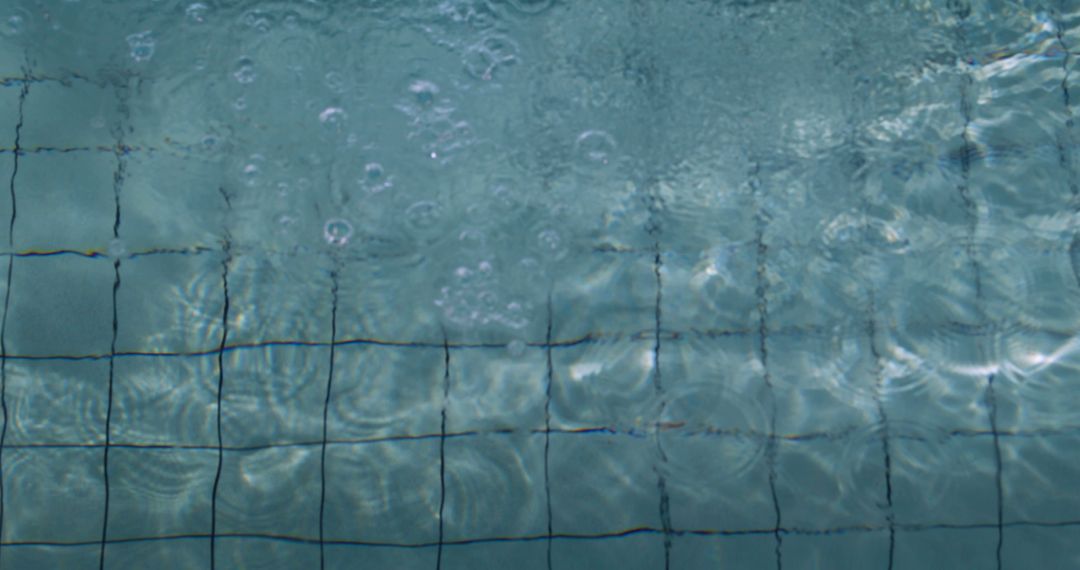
{"x": 539, "y": 284}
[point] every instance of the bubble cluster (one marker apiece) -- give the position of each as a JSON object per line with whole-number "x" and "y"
{"x": 474, "y": 298}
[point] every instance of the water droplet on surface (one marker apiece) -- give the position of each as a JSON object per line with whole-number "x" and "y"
{"x": 142, "y": 46}
{"x": 244, "y": 72}
{"x": 337, "y": 232}
{"x": 373, "y": 171}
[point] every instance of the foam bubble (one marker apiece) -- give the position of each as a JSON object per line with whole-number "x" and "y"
{"x": 595, "y": 148}
{"x": 196, "y": 12}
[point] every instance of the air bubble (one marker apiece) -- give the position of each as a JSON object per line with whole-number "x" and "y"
{"x": 334, "y": 81}
{"x": 516, "y": 348}
{"x": 14, "y": 25}
{"x": 332, "y": 115}
{"x": 595, "y": 148}
{"x": 487, "y": 55}
{"x": 196, "y": 12}
{"x": 373, "y": 171}
{"x": 245, "y": 71}
{"x": 531, "y": 6}
{"x": 424, "y": 92}
{"x": 117, "y": 249}
{"x": 337, "y": 232}
{"x": 424, "y": 214}
{"x": 142, "y": 46}
{"x": 240, "y": 103}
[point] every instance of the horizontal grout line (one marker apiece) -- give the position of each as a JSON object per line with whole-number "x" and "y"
{"x": 614, "y": 535}
{"x": 642, "y": 433}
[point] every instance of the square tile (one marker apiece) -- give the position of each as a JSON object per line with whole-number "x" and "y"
{"x": 941, "y": 399}
{"x": 830, "y": 483}
{"x": 65, "y": 201}
{"x": 60, "y": 305}
{"x": 637, "y": 552}
{"x": 941, "y": 478}
{"x": 1035, "y": 393}
{"x": 382, "y": 391}
{"x": 825, "y": 380}
{"x": 497, "y": 389}
{"x": 1033, "y": 547}
{"x": 620, "y": 287}
{"x": 945, "y": 549}
{"x": 344, "y": 557}
{"x": 71, "y": 114}
{"x": 41, "y": 483}
{"x": 258, "y": 486}
{"x": 605, "y": 383}
{"x": 170, "y": 303}
{"x": 165, "y": 400}
{"x": 274, "y": 395}
{"x": 171, "y": 202}
{"x": 746, "y": 551}
{"x": 603, "y": 483}
{"x": 855, "y": 550}
{"x": 160, "y": 492}
{"x": 84, "y": 557}
{"x": 265, "y": 553}
{"x": 494, "y": 487}
{"x": 712, "y": 290}
{"x": 1038, "y": 475}
{"x": 278, "y": 297}
{"x": 163, "y": 555}
{"x": 530, "y": 555}
{"x": 52, "y": 401}
{"x": 375, "y": 302}
{"x": 383, "y": 492}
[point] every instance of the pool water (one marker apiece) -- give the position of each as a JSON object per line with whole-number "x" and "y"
{"x": 539, "y": 284}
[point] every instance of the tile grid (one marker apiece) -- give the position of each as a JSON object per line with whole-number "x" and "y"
{"x": 326, "y": 417}
{"x": 23, "y": 92}
{"x": 121, "y": 150}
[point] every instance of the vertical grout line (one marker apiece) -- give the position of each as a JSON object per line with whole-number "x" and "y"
{"x": 883, "y": 418}
{"x": 7, "y": 297}
{"x": 760, "y": 291}
{"x": 326, "y": 417}
{"x": 972, "y": 252}
{"x": 991, "y": 401}
{"x": 547, "y": 427}
{"x": 227, "y": 247}
{"x": 120, "y": 152}
{"x": 661, "y": 481}
{"x": 442, "y": 447}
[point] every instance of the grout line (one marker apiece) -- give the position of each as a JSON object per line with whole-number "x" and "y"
{"x": 326, "y": 418}
{"x": 991, "y": 400}
{"x": 118, "y": 184}
{"x": 547, "y": 427}
{"x": 760, "y": 290}
{"x": 220, "y": 385}
{"x": 614, "y": 535}
{"x": 7, "y": 303}
{"x": 442, "y": 449}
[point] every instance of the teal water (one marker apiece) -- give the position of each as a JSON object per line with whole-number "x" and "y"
{"x": 539, "y": 284}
